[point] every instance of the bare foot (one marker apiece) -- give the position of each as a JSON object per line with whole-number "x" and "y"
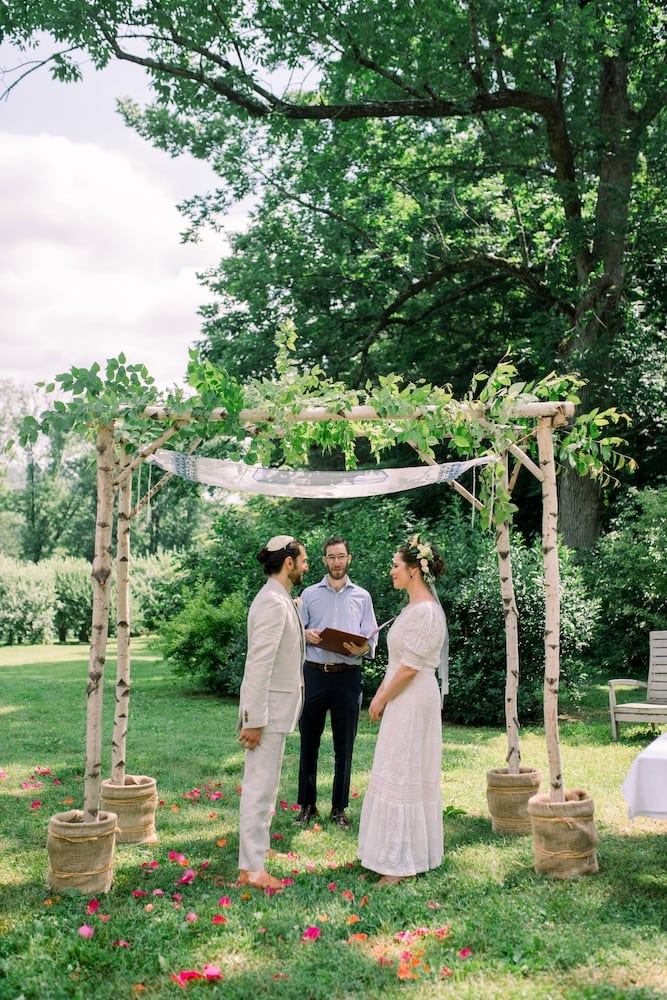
{"x": 260, "y": 880}
{"x": 393, "y": 879}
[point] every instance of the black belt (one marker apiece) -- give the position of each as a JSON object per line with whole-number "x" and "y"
{"x": 332, "y": 668}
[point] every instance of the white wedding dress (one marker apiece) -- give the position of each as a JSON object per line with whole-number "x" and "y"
{"x": 400, "y": 830}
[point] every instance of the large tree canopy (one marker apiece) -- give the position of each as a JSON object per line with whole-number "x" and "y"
{"x": 435, "y": 178}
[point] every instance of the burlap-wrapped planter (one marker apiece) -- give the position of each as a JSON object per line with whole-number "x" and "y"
{"x": 564, "y": 834}
{"x": 81, "y": 855}
{"x": 507, "y": 796}
{"x": 134, "y": 803}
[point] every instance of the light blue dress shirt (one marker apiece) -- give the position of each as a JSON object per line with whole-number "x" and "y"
{"x": 349, "y": 609}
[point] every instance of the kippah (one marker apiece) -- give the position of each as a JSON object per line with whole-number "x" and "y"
{"x": 278, "y": 542}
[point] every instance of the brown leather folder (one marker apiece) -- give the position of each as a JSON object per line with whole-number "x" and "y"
{"x": 332, "y": 640}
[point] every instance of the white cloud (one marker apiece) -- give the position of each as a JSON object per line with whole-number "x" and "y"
{"x": 91, "y": 262}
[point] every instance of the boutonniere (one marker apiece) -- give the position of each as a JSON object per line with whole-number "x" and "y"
{"x": 297, "y": 602}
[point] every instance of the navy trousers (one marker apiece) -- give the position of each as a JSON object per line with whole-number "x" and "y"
{"x": 340, "y": 694}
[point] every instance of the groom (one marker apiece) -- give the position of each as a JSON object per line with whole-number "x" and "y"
{"x": 270, "y": 703}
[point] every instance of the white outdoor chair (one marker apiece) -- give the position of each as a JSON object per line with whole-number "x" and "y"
{"x": 654, "y": 709}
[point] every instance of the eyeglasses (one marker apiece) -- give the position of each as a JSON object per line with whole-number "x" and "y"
{"x": 337, "y": 558}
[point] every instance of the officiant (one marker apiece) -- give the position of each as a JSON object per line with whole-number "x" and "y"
{"x": 333, "y": 677}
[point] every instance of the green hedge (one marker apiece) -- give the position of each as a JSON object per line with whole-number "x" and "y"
{"x": 207, "y": 640}
{"x": 74, "y": 598}
{"x": 27, "y": 602}
{"x": 477, "y": 635}
{"x": 40, "y": 602}
{"x": 628, "y": 568}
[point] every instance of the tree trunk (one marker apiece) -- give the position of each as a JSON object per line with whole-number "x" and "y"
{"x": 580, "y": 509}
{"x": 552, "y": 607}
{"x": 599, "y": 313}
{"x": 121, "y": 715}
{"x": 511, "y": 645}
{"x": 101, "y": 577}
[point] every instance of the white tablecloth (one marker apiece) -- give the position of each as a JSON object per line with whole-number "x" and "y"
{"x": 645, "y": 787}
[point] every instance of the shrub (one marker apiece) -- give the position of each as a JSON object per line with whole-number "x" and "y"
{"x": 628, "y": 569}
{"x": 207, "y": 640}
{"x": 155, "y": 592}
{"x": 205, "y": 636}
{"x": 74, "y": 598}
{"x": 477, "y": 635}
{"x": 27, "y": 602}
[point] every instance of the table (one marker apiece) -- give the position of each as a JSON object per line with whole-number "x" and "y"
{"x": 645, "y": 787}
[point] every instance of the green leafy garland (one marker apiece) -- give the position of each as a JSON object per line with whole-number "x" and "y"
{"x": 484, "y": 422}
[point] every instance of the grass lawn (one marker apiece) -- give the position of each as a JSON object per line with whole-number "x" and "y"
{"x": 484, "y": 925}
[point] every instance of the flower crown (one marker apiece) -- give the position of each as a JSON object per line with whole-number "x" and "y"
{"x": 423, "y": 553}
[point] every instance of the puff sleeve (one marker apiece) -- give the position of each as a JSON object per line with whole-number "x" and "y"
{"x": 423, "y": 636}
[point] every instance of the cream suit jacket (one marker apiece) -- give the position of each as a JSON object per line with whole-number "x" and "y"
{"x": 271, "y": 695}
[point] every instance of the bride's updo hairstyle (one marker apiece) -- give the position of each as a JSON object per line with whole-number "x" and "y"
{"x": 424, "y": 557}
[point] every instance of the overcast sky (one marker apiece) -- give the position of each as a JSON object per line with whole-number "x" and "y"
{"x": 91, "y": 262}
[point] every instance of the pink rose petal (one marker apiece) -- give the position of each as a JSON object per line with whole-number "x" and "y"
{"x": 311, "y": 934}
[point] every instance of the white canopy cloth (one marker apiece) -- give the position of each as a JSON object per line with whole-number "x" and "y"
{"x": 242, "y": 478}
{"x": 645, "y": 787}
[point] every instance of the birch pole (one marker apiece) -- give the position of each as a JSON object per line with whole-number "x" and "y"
{"x": 122, "y": 708}
{"x": 552, "y": 606}
{"x": 511, "y": 642}
{"x": 101, "y": 579}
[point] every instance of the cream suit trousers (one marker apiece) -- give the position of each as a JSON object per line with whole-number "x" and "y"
{"x": 261, "y": 777}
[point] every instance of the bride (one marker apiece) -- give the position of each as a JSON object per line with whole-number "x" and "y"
{"x": 400, "y": 830}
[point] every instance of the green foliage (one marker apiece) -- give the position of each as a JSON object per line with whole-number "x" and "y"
{"x": 74, "y": 598}
{"x": 206, "y": 640}
{"x": 171, "y": 520}
{"x": 477, "y": 635}
{"x": 227, "y": 554}
{"x": 200, "y": 640}
{"x": 491, "y": 418}
{"x": 628, "y": 569}
{"x": 55, "y": 597}
{"x": 419, "y": 204}
{"x": 27, "y": 602}
{"x": 590, "y": 450}
{"x": 154, "y": 592}
{"x": 11, "y": 526}
{"x": 125, "y": 398}
{"x": 57, "y": 508}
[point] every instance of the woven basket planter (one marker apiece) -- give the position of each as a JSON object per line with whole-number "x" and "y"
{"x": 134, "y": 803}
{"x": 564, "y": 834}
{"x": 81, "y": 855}
{"x": 507, "y": 796}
